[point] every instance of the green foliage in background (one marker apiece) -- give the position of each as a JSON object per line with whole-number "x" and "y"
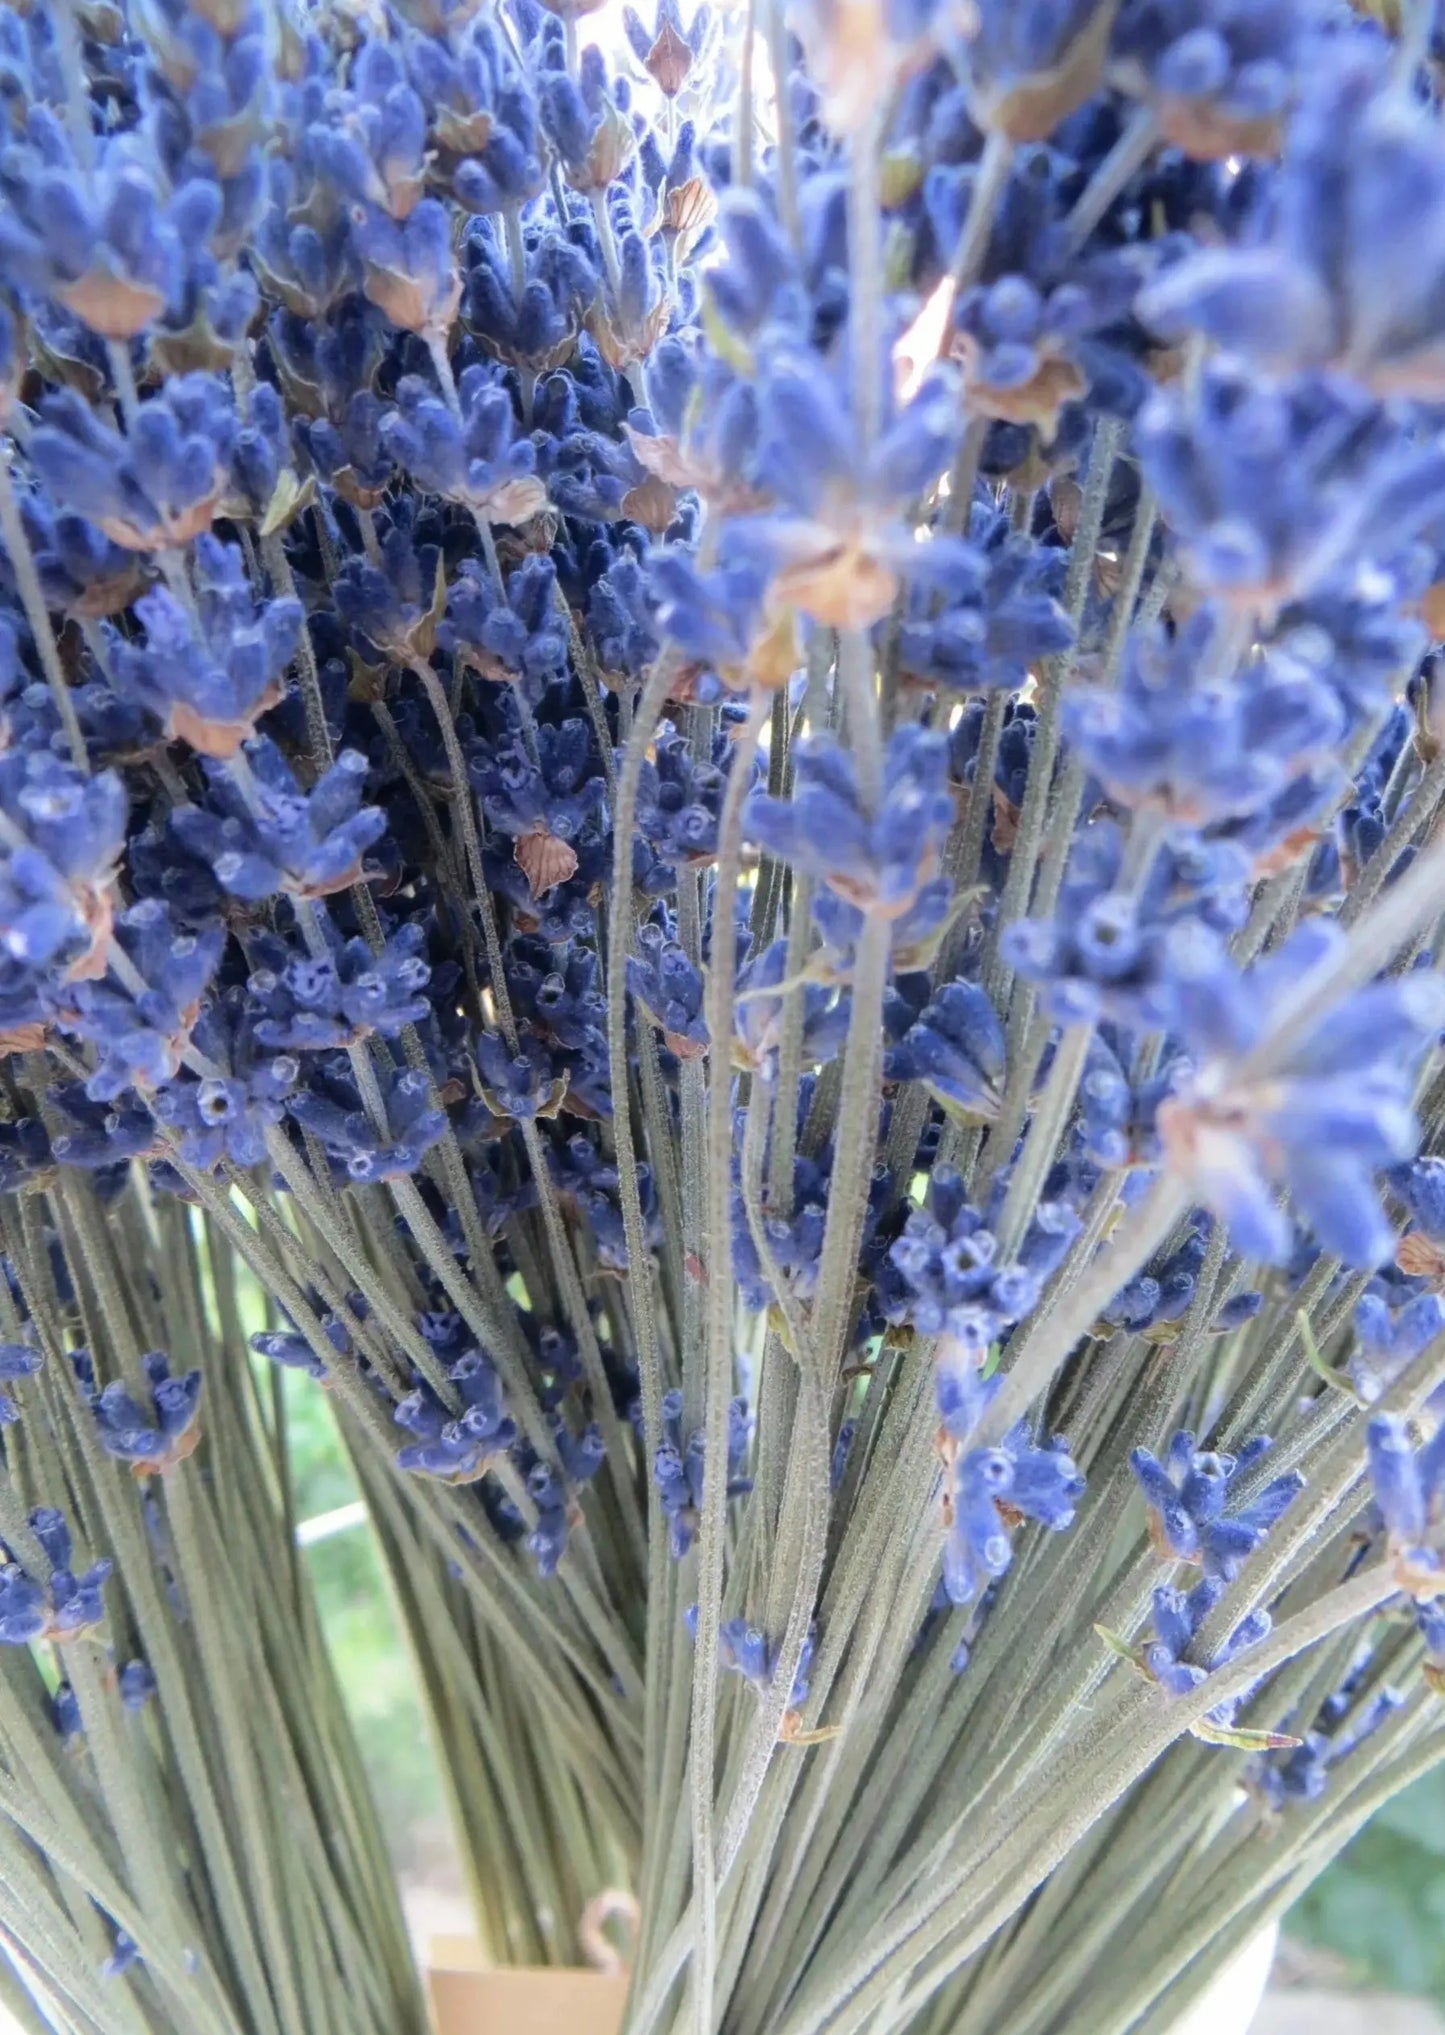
{"x": 1381, "y": 1906}
{"x": 372, "y": 1662}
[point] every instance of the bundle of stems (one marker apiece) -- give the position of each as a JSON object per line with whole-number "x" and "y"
{"x": 188, "y": 1835}
{"x": 737, "y": 793}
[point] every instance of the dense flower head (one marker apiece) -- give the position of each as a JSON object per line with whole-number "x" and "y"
{"x": 1324, "y": 1124}
{"x": 64, "y": 1605}
{"x": 1219, "y": 77}
{"x": 669, "y": 987}
{"x": 1187, "y": 1495}
{"x": 955, "y": 1046}
{"x": 157, "y": 485}
{"x": 109, "y": 246}
{"x": 1409, "y": 1487}
{"x": 1326, "y": 272}
{"x": 679, "y": 800}
{"x": 1000, "y": 615}
{"x": 878, "y": 862}
{"x": 462, "y": 1446}
{"x": 262, "y": 833}
{"x": 209, "y": 674}
{"x": 150, "y": 1439}
{"x": 834, "y": 545}
{"x": 1388, "y": 1340}
{"x": 222, "y": 1107}
{"x": 1272, "y": 487}
{"x": 1109, "y": 951}
{"x": 363, "y": 1147}
{"x": 949, "y": 1280}
{"x": 1200, "y": 744}
{"x": 57, "y": 873}
{"x": 519, "y": 637}
{"x": 1178, "y": 1616}
{"x": 470, "y": 454}
{"x": 306, "y": 1001}
{"x": 140, "y": 1021}
{"x": 482, "y": 116}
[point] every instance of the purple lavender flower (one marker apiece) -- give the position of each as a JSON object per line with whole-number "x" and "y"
{"x": 949, "y": 1281}
{"x": 482, "y": 114}
{"x": 679, "y": 800}
{"x": 1187, "y": 1494}
{"x": 1108, "y": 951}
{"x": 304, "y": 1002}
{"x": 956, "y": 1048}
{"x": 408, "y": 267}
{"x": 475, "y": 458}
{"x": 137, "y": 1684}
{"x": 746, "y": 1651}
{"x": 1323, "y": 1125}
{"x": 1119, "y": 1114}
{"x": 17, "y": 1360}
{"x": 1219, "y": 75}
{"x": 718, "y": 621}
{"x": 668, "y": 49}
{"x": 141, "y": 1031}
{"x": 585, "y": 123}
{"x": 374, "y": 148}
{"x": 1302, "y": 1773}
{"x": 1271, "y": 488}
{"x": 457, "y": 1448}
{"x": 151, "y": 1440}
{"x": 677, "y": 1469}
{"x": 1178, "y": 1617}
{"x": 350, "y": 452}
{"x": 1199, "y": 745}
{"x": 158, "y": 486}
{"x": 997, "y": 621}
{"x": 1409, "y": 1486}
{"x": 1388, "y": 1340}
{"x": 878, "y": 863}
{"x": 546, "y": 803}
{"x": 57, "y": 874}
{"x": 362, "y": 1151}
{"x": 82, "y": 571}
{"x": 699, "y": 426}
{"x": 670, "y": 990}
{"x": 519, "y": 637}
{"x": 64, "y": 1607}
{"x": 989, "y": 1492}
{"x": 276, "y": 837}
{"x": 521, "y": 1085}
{"x": 835, "y": 545}
{"x": 209, "y": 674}
{"x": 108, "y": 245}
{"x": 225, "y": 1114}
{"x": 1331, "y": 272}
{"x": 1031, "y": 64}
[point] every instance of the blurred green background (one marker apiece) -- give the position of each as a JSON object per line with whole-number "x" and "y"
{"x": 1379, "y": 1911}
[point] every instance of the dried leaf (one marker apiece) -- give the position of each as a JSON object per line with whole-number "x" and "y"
{"x": 544, "y": 861}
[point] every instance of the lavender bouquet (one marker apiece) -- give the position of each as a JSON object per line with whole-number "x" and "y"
{"x": 721, "y": 790}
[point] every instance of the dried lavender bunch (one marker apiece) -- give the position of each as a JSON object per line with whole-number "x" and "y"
{"x": 731, "y": 756}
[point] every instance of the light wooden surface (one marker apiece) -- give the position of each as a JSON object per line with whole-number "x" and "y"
{"x": 466, "y": 2000}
